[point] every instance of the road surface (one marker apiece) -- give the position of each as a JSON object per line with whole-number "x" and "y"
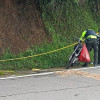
{"x": 82, "y": 84}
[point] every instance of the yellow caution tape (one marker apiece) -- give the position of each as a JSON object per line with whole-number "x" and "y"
{"x": 38, "y": 54}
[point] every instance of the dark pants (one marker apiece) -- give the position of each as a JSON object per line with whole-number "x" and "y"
{"x": 93, "y": 44}
{"x": 99, "y": 52}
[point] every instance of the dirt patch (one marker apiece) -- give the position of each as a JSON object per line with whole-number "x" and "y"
{"x": 80, "y": 73}
{"x": 20, "y": 25}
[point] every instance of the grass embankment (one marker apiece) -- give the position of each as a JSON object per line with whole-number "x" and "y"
{"x": 6, "y": 72}
{"x": 63, "y": 21}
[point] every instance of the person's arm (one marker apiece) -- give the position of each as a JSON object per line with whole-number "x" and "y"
{"x": 98, "y": 36}
{"x": 83, "y": 35}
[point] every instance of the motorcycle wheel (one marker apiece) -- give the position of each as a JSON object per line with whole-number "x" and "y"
{"x": 71, "y": 62}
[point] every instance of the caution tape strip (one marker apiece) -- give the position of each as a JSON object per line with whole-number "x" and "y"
{"x": 38, "y": 54}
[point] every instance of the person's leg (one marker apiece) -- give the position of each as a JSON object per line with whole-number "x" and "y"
{"x": 99, "y": 52}
{"x": 85, "y": 64}
{"x": 95, "y": 47}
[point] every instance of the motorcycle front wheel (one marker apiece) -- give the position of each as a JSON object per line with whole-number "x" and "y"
{"x": 71, "y": 62}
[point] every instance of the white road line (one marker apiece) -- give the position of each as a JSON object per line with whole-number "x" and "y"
{"x": 86, "y": 68}
{"x": 40, "y": 74}
{"x": 46, "y": 73}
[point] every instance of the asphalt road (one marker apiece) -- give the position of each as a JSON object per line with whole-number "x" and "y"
{"x": 54, "y": 86}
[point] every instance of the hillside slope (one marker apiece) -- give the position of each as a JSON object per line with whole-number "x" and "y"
{"x": 20, "y": 25}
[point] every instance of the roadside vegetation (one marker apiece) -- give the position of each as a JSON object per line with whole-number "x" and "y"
{"x": 63, "y": 20}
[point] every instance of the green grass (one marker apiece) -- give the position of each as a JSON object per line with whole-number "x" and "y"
{"x": 6, "y": 72}
{"x": 63, "y": 23}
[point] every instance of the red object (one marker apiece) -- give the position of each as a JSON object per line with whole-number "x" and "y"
{"x": 84, "y": 55}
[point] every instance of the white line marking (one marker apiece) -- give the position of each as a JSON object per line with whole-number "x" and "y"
{"x": 46, "y": 73}
{"x": 86, "y": 68}
{"x": 40, "y": 74}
